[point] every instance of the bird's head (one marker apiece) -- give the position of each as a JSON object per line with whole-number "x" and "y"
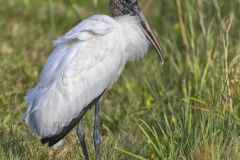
{"x": 132, "y": 8}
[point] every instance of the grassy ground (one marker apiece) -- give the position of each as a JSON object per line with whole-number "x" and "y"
{"x": 188, "y": 108}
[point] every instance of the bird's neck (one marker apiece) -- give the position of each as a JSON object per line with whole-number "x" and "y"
{"x": 134, "y": 39}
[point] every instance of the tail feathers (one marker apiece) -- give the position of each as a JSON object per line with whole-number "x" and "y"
{"x": 51, "y": 141}
{"x": 56, "y": 138}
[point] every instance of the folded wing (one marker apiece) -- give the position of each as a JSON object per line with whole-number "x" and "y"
{"x": 84, "y": 63}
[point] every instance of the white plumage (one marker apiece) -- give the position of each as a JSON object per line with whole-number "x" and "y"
{"x": 86, "y": 60}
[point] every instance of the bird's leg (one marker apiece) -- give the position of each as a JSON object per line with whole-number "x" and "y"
{"x": 81, "y": 137}
{"x": 96, "y": 134}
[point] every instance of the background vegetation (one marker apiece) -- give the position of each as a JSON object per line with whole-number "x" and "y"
{"x": 188, "y": 108}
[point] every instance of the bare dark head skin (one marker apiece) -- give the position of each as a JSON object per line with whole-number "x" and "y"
{"x": 132, "y": 8}
{"x": 123, "y": 7}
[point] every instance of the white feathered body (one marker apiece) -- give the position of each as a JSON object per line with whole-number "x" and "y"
{"x": 86, "y": 60}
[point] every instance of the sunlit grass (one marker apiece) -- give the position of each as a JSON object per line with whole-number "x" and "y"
{"x": 187, "y": 108}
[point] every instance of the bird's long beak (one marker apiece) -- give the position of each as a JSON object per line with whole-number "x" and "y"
{"x": 149, "y": 34}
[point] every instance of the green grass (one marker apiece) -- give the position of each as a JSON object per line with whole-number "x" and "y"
{"x": 188, "y": 108}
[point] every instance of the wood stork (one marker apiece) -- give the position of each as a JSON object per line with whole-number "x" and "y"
{"x": 85, "y": 62}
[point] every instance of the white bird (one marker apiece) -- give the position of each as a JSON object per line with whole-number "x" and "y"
{"x": 86, "y": 61}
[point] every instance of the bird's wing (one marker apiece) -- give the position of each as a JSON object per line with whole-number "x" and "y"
{"x": 83, "y": 34}
{"x": 85, "y": 62}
